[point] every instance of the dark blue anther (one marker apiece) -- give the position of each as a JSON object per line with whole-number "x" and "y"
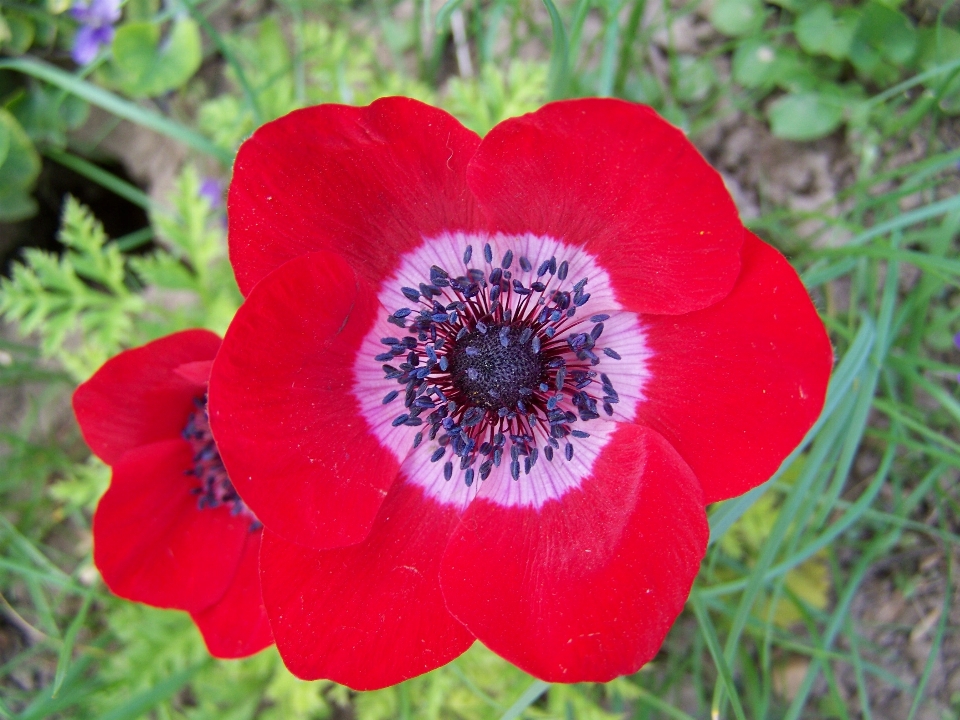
{"x": 505, "y": 336}
{"x": 515, "y": 469}
{"x": 610, "y": 352}
{"x": 538, "y": 287}
{"x": 560, "y": 378}
{"x": 467, "y": 254}
{"x": 437, "y": 454}
{"x": 507, "y": 259}
{"x": 444, "y": 363}
{"x": 599, "y": 318}
{"x": 563, "y": 270}
{"x": 383, "y": 357}
{"x": 608, "y": 408}
{"x": 452, "y": 318}
{"x": 447, "y": 470}
{"x": 462, "y": 333}
{"x": 485, "y": 469}
{"x": 552, "y": 402}
{"x": 413, "y": 421}
{"x": 472, "y": 351}
{"x": 496, "y": 277}
{"x": 582, "y": 283}
{"x": 580, "y": 299}
{"x": 535, "y": 345}
{"x": 476, "y": 275}
{"x": 410, "y": 294}
{"x": 482, "y": 327}
{"x": 525, "y": 264}
{"x": 525, "y": 335}
{"x": 389, "y": 341}
{"x": 402, "y": 312}
{"x": 439, "y": 317}
{"x": 526, "y": 466}
{"x": 494, "y": 294}
{"x": 568, "y": 451}
{"x": 579, "y": 434}
{"x": 472, "y": 373}
{"x": 497, "y": 456}
{"x": 468, "y": 477}
{"x": 548, "y": 453}
{"x": 400, "y": 420}
{"x": 390, "y": 396}
{"x": 488, "y": 253}
{"x": 542, "y": 270}
{"x": 596, "y": 332}
{"x": 417, "y": 439}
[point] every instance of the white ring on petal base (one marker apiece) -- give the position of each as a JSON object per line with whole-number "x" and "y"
{"x": 547, "y": 480}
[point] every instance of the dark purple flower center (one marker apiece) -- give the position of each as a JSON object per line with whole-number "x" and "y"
{"x": 215, "y": 487}
{"x": 497, "y": 365}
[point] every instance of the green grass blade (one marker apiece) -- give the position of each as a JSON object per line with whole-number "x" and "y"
{"x": 528, "y": 698}
{"x": 69, "y": 638}
{"x": 559, "y": 55}
{"x": 151, "y": 697}
{"x": 713, "y": 646}
{"x": 100, "y": 176}
{"x": 112, "y": 103}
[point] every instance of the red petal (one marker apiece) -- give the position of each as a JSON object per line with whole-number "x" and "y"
{"x": 138, "y": 397}
{"x": 619, "y": 180}
{"x": 152, "y": 544}
{"x": 735, "y": 387}
{"x": 586, "y": 587}
{"x": 237, "y": 625}
{"x": 366, "y": 182}
{"x": 281, "y": 408}
{"x": 370, "y": 615}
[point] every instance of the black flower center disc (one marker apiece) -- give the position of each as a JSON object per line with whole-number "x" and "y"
{"x": 497, "y": 368}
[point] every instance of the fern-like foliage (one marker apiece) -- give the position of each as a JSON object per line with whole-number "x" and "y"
{"x": 79, "y": 303}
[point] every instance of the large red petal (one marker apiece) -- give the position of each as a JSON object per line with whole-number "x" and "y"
{"x": 237, "y": 625}
{"x": 281, "y": 408}
{"x": 366, "y": 182}
{"x": 138, "y": 397}
{"x": 150, "y": 541}
{"x": 584, "y": 588}
{"x": 734, "y": 387}
{"x": 617, "y": 179}
{"x": 370, "y": 615}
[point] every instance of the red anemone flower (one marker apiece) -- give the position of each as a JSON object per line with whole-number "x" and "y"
{"x": 171, "y": 531}
{"x": 483, "y": 389}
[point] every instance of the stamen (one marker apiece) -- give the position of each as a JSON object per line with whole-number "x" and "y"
{"x": 498, "y": 361}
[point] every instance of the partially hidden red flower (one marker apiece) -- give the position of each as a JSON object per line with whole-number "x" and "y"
{"x": 171, "y": 531}
{"x": 485, "y": 388}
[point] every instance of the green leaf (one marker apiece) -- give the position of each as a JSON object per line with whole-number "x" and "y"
{"x": 694, "y": 78}
{"x": 145, "y": 66}
{"x": 884, "y": 41}
{"x": 821, "y": 31}
{"x": 737, "y": 17}
{"x": 756, "y": 63}
{"x": 804, "y": 116}
{"x": 21, "y": 32}
{"x": 19, "y": 168}
{"x": 938, "y": 46}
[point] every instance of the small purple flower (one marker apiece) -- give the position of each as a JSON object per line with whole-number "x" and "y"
{"x": 212, "y": 189}
{"x": 96, "y": 28}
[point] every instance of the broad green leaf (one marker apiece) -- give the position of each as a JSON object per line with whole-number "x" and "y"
{"x": 821, "y": 31}
{"x": 16, "y": 204}
{"x": 756, "y": 63}
{"x": 804, "y": 116}
{"x": 146, "y": 65}
{"x": 21, "y": 163}
{"x": 4, "y": 143}
{"x": 882, "y": 35}
{"x": 938, "y": 46}
{"x": 21, "y": 32}
{"x": 695, "y": 78}
{"x": 737, "y": 17}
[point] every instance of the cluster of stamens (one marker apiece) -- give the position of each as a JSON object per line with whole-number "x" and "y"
{"x": 496, "y": 369}
{"x": 215, "y": 487}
